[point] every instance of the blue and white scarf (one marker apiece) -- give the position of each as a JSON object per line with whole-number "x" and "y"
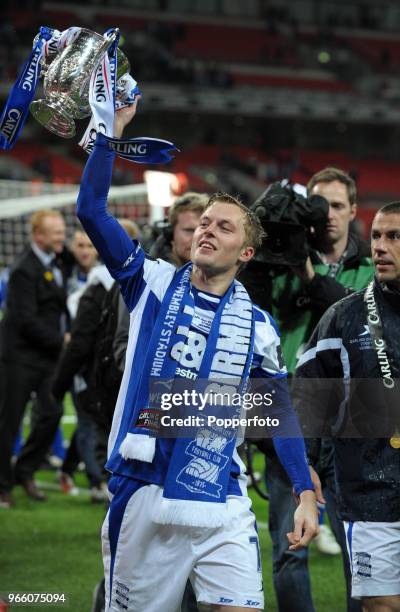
{"x": 196, "y": 484}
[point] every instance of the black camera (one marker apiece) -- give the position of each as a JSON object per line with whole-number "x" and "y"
{"x": 290, "y": 221}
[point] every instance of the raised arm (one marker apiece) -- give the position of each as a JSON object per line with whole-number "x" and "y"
{"x": 110, "y": 239}
{"x": 123, "y": 257}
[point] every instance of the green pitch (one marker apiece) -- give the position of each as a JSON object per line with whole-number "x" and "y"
{"x": 55, "y": 547}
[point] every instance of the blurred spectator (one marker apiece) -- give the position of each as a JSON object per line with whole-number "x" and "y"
{"x": 4, "y": 274}
{"x": 80, "y": 362}
{"x": 32, "y": 335}
{"x": 85, "y": 258}
{"x": 42, "y": 165}
{"x": 338, "y": 264}
{"x": 81, "y": 257}
{"x": 175, "y": 242}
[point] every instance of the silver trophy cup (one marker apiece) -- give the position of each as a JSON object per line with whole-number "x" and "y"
{"x": 66, "y": 82}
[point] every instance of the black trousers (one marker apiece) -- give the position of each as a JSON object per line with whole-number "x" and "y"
{"x": 17, "y": 383}
{"x": 290, "y": 568}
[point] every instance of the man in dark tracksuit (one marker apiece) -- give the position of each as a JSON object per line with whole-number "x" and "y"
{"x": 78, "y": 358}
{"x": 31, "y": 337}
{"x": 357, "y": 344}
{"x": 337, "y": 266}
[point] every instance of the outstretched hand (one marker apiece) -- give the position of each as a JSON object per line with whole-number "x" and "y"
{"x": 123, "y": 116}
{"x": 305, "y": 522}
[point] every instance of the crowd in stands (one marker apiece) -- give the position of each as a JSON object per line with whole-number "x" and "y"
{"x": 182, "y": 52}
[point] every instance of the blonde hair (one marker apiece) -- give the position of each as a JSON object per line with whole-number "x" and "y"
{"x": 253, "y": 229}
{"x": 38, "y": 217}
{"x": 189, "y": 201}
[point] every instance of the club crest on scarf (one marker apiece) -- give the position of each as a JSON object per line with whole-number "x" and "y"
{"x": 201, "y": 474}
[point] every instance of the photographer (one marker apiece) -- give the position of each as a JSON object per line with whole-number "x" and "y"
{"x": 334, "y": 263}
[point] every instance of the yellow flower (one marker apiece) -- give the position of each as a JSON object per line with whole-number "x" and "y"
{"x": 49, "y": 275}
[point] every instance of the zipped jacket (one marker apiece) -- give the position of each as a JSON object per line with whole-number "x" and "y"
{"x": 339, "y": 390}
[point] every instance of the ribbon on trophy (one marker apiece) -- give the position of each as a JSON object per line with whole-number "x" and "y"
{"x": 107, "y": 95}
{"x": 47, "y": 43}
{"x": 60, "y": 40}
{"x": 143, "y": 150}
{"x": 66, "y": 103}
{"x": 102, "y": 94}
{"x": 17, "y": 106}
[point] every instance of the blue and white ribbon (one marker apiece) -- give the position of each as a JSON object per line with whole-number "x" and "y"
{"x": 127, "y": 91}
{"x": 102, "y": 97}
{"x": 66, "y": 37}
{"x": 16, "y": 109}
{"x": 143, "y": 150}
{"x": 106, "y": 95}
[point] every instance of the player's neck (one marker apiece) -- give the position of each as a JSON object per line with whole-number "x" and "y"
{"x": 216, "y": 283}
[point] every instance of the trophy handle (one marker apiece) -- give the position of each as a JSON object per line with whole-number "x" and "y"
{"x": 108, "y": 41}
{"x": 102, "y": 50}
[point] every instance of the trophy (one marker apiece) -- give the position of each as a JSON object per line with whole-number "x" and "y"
{"x": 77, "y": 85}
{"x": 66, "y": 81}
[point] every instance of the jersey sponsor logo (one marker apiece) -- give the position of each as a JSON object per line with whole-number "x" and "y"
{"x": 363, "y": 563}
{"x": 363, "y": 340}
{"x": 149, "y": 418}
{"x": 225, "y": 600}
{"x": 189, "y": 353}
{"x": 128, "y": 261}
{"x": 251, "y": 602}
{"x": 184, "y": 373}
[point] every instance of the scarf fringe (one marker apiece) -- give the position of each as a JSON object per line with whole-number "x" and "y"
{"x": 138, "y": 446}
{"x": 190, "y": 513}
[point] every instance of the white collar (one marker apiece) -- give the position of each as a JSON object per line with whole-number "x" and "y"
{"x": 45, "y": 258}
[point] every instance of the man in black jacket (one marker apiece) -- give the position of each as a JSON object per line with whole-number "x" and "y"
{"x": 357, "y": 344}
{"x": 32, "y": 334}
{"x": 89, "y": 355}
{"x": 338, "y": 265}
{"x": 77, "y": 359}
